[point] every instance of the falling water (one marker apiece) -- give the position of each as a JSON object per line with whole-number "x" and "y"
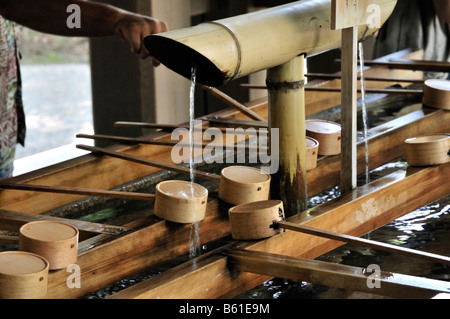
{"x": 364, "y": 108}
{"x": 191, "y": 124}
{"x": 194, "y": 238}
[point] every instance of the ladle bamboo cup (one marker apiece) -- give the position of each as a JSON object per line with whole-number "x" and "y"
{"x": 327, "y": 133}
{"x": 428, "y": 150}
{"x": 55, "y": 241}
{"x": 250, "y": 221}
{"x": 23, "y": 275}
{"x": 436, "y": 93}
{"x": 264, "y": 219}
{"x": 242, "y": 184}
{"x": 312, "y": 150}
{"x": 180, "y": 201}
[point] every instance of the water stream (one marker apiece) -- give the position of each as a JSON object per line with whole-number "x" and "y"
{"x": 194, "y": 237}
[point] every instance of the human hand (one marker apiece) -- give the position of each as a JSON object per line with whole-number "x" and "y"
{"x": 133, "y": 28}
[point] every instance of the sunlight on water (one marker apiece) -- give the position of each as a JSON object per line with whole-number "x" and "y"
{"x": 416, "y": 220}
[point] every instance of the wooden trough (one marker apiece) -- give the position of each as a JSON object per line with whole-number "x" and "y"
{"x": 112, "y": 250}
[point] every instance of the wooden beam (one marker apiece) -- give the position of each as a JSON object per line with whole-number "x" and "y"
{"x": 349, "y": 109}
{"x": 335, "y": 275}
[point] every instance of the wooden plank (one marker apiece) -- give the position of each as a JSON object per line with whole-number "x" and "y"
{"x": 360, "y": 211}
{"x": 335, "y": 275}
{"x": 348, "y": 14}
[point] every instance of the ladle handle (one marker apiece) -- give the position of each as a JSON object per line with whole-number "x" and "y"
{"x": 363, "y": 242}
{"x": 78, "y": 191}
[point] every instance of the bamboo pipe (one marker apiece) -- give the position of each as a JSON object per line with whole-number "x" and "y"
{"x": 145, "y": 161}
{"x": 286, "y": 100}
{"x": 362, "y": 242}
{"x": 77, "y": 191}
{"x": 230, "y": 48}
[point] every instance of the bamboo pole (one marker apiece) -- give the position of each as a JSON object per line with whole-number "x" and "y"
{"x": 12, "y": 221}
{"x": 145, "y": 161}
{"x": 233, "y": 103}
{"x": 286, "y": 100}
{"x": 367, "y": 78}
{"x": 77, "y": 191}
{"x": 230, "y": 48}
{"x": 417, "y": 65}
{"x": 175, "y": 126}
{"x": 137, "y": 140}
{"x": 363, "y": 242}
{"x": 339, "y": 90}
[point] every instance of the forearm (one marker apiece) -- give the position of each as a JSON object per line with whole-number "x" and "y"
{"x": 442, "y": 8}
{"x": 50, "y": 16}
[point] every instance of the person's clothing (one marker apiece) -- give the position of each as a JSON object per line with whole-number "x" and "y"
{"x": 414, "y": 24}
{"x": 12, "y": 119}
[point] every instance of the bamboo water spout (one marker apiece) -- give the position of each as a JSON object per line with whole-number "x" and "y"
{"x": 276, "y": 39}
{"x": 230, "y": 48}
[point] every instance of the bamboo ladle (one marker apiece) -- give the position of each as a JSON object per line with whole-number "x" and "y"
{"x": 266, "y": 218}
{"x": 145, "y": 161}
{"x": 361, "y": 242}
{"x": 77, "y": 191}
